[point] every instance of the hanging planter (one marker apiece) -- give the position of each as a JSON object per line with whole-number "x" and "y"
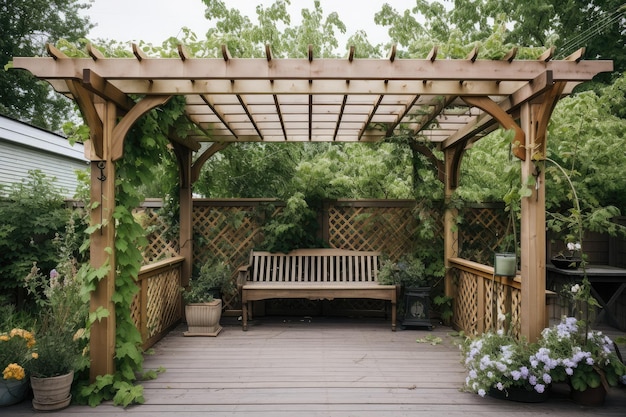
{"x": 505, "y": 264}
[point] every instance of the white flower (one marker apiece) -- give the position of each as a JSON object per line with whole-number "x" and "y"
{"x": 571, "y": 246}
{"x": 575, "y": 289}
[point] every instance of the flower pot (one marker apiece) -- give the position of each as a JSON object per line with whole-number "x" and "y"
{"x": 52, "y": 393}
{"x": 12, "y": 391}
{"x": 505, "y": 265}
{"x": 566, "y": 262}
{"x": 203, "y": 319}
{"x": 590, "y": 396}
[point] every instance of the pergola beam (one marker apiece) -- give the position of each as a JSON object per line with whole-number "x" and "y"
{"x": 304, "y": 69}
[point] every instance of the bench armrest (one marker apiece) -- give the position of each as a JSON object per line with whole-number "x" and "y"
{"x": 243, "y": 272}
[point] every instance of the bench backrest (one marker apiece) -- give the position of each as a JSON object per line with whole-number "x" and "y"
{"x": 314, "y": 265}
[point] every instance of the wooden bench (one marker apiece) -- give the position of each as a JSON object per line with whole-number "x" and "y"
{"x": 314, "y": 274}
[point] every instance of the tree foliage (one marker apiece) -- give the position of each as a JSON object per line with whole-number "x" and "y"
{"x": 26, "y": 27}
{"x": 33, "y": 215}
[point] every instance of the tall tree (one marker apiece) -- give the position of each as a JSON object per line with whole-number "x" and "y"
{"x": 597, "y": 25}
{"x": 26, "y": 26}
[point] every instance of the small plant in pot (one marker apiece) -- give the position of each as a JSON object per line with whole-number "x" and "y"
{"x": 203, "y": 304}
{"x": 409, "y": 274}
{"x": 58, "y": 353}
{"x": 52, "y": 372}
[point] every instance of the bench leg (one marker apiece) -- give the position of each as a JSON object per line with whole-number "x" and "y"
{"x": 393, "y": 316}
{"x": 244, "y": 316}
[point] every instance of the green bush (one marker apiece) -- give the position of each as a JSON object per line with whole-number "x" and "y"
{"x": 32, "y": 216}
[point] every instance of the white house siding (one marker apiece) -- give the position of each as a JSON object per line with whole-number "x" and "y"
{"x": 24, "y": 148}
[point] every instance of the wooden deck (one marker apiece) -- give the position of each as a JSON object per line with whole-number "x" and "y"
{"x": 317, "y": 367}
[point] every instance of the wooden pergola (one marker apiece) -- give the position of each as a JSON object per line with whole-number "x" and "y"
{"x": 451, "y": 103}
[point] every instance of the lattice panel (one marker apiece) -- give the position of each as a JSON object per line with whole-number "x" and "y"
{"x": 135, "y": 309}
{"x": 516, "y": 311}
{"x": 163, "y": 301}
{"x": 385, "y": 229}
{"x": 228, "y": 232}
{"x": 466, "y": 303}
{"x": 489, "y": 319}
{"x": 482, "y": 233}
{"x": 158, "y": 247}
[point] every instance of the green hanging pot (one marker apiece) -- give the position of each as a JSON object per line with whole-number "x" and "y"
{"x": 505, "y": 264}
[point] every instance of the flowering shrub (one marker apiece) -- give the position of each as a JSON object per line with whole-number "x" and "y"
{"x": 499, "y": 361}
{"x": 62, "y": 313}
{"x": 16, "y": 350}
{"x": 585, "y": 358}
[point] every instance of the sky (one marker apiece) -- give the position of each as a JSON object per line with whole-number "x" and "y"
{"x": 153, "y": 21}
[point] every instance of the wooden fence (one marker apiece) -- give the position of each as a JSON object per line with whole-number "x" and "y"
{"x": 231, "y": 228}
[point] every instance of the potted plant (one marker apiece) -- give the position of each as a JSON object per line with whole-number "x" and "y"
{"x": 571, "y": 261}
{"x": 16, "y": 350}
{"x": 503, "y": 367}
{"x": 583, "y": 358}
{"x": 203, "y": 304}
{"x": 409, "y": 274}
{"x": 61, "y": 314}
{"x": 52, "y": 372}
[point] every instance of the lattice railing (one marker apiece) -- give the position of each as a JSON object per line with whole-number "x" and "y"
{"x": 481, "y": 298}
{"x": 157, "y": 307}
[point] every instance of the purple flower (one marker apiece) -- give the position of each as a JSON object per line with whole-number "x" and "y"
{"x": 540, "y": 388}
{"x": 524, "y": 371}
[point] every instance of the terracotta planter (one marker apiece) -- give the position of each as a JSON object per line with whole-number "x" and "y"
{"x": 52, "y": 393}
{"x": 12, "y": 391}
{"x": 203, "y": 319}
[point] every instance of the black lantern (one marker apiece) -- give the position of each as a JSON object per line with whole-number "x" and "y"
{"x": 417, "y": 307}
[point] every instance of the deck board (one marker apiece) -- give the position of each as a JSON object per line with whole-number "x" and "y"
{"x": 317, "y": 367}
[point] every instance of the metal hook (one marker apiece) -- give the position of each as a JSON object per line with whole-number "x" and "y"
{"x": 101, "y": 165}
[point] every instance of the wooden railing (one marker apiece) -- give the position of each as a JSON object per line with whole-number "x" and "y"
{"x": 480, "y": 298}
{"x": 157, "y": 307}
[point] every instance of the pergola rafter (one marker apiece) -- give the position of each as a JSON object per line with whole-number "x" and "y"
{"x": 450, "y": 103}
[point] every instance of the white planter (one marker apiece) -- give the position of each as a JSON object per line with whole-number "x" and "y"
{"x": 203, "y": 319}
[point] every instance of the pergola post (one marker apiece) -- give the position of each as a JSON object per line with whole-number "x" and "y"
{"x": 450, "y": 232}
{"x": 186, "y": 212}
{"x": 533, "y": 237}
{"x": 102, "y": 245}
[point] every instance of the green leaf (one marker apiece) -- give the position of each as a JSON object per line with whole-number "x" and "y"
{"x": 99, "y": 314}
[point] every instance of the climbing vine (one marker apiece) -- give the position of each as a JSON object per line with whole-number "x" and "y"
{"x": 144, "y": 147}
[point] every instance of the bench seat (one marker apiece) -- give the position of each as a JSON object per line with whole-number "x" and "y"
{"x": 313, "y": 274}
